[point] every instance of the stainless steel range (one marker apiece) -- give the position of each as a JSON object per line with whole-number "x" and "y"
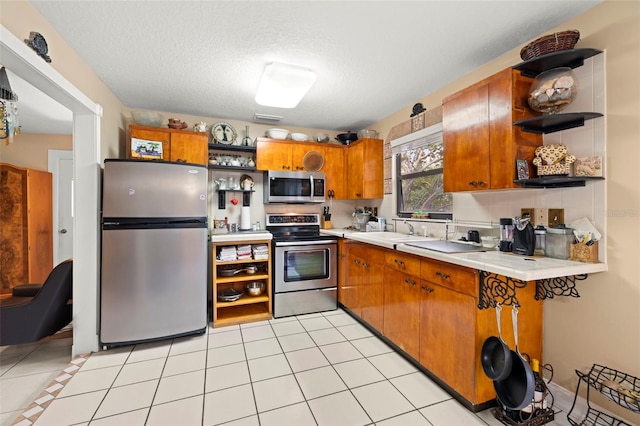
{"x": 305, "y": 273}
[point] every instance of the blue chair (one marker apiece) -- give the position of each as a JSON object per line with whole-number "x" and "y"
{"x": 27, "y": 317}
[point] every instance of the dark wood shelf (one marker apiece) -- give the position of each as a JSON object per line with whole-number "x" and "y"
{"x": 232, "y": 148}
{"x": 555, "y": 122}
{"x": 233, "y": 168}
{"x": 572, "y": 58}
{"x": 556, "y": 181}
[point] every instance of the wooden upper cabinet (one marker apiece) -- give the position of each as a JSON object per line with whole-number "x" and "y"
{"x": 481, "y": 144}
{"x": 366, "y": 169}
{"x": 177, "y": 145}
{"x": 273, "y": 155}
{"x": 190, "y": 148}
{"x": 335, "y": 169}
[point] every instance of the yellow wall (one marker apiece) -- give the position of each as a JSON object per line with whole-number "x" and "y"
{"x": 29, "y": 150}
{"x": 602, "y": 326}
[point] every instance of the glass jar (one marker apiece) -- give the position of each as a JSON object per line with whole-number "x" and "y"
{"x": 558, "y": 244}
{"x": 552, "y": 90}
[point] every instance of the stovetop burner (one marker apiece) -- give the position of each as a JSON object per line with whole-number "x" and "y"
{"x": 295, "y": 227}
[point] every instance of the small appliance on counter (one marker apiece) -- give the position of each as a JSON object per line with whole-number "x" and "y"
{"x": 558, "y": 244}
{"x": 506, "y": 234}
{"x": 524, "y": 238}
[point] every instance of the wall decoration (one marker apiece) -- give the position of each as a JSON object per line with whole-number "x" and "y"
{"x": 148, "y": 150}
{"x": 523, "y": 169}
{"x": 588, "y": 166}
{"x": 37, "y": 42}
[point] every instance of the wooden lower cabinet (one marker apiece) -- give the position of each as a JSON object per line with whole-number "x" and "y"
{"x": 402, "y": 310}
{"x": 429, "y": 309}
{"x": 248, "y": 308}
{"x": 447, "y": 330}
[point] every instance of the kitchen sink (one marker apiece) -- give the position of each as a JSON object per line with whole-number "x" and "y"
{"x": 446, "y": 246}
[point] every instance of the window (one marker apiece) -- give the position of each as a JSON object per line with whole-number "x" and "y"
{"x": 419, "y": 174}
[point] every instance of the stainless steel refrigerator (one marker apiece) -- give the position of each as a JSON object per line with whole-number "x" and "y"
{"x": 154, "y": 251}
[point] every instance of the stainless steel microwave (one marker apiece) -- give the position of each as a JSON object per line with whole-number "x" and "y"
{"x": 294, "y": 187}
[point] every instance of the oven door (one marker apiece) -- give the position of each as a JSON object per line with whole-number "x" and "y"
{"x": 305, "y": 265}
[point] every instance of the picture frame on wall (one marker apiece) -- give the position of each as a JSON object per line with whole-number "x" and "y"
{"x": 522, "y": 169}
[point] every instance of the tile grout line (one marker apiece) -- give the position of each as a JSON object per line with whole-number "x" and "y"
{"x": 37, "y": 407}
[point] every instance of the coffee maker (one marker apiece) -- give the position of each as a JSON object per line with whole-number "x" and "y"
{"x": 524, "y": 239}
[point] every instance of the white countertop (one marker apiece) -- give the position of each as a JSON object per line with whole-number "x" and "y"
{"x": 241, "y": 236}
{"x": 512, "y": 265}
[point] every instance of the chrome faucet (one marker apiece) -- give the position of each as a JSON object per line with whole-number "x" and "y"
{"x": 410, "y": 227}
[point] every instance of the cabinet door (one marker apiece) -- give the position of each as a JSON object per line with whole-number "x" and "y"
{"x": 298, "y": 151}
{"x": 349, "y": 288}
{"x": 402, "y": 310}
{"x": 465, "y": 121}
{"x": 373, "y": 169}
{"x": 273, "y": 155}
{"x": 189, "y": 148}
{"x": 447, "y": 320}
{"x": 335, "y": 169}
{"x": 355, "y": 161}
{"x": 371, "y": 293}
{"x": 163, "y": 137}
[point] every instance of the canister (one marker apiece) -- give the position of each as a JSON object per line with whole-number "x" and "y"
{"x": 558, "y": 244}
{"x": 541, "y": 240}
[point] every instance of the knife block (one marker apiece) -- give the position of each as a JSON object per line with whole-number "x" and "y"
{"x": 326, "y": 223}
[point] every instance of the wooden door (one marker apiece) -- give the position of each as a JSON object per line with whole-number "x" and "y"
{"x": 402, "y": 310}
{"x": 372, "y": 169}
{"x": 150, "y": 134}
{"x": 372, "y": 293}
{"x": 448, "y": 337}
{"x": 465, "y": 120}
{"x": 190, "y": 148}
{"x": 273, "y": 155}
{"x": 355, "y": 160}
{"x": 298, "y": 151}
{"x": 335, "y": 169}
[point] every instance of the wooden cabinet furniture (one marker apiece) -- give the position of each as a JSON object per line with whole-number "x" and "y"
{"x": 248, "y": 308}
{"x": 481, "y": 144}
{"x": 289, "y": 156}
{"x": 366, "y": 169}
{"x": 283, "y": 155}
{"x": 177, "y": 145}
{"x": 26, "y": 226}
{"x": 430, "y": 311}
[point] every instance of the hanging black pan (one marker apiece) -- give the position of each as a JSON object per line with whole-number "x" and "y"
{"x": 496, "y": 355}
{"x": 516, "y": 390}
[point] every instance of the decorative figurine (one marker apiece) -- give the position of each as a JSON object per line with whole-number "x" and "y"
{"x": 417, "y": 109}
{"x": 37, "y": 42}
{"x": 175, "y": 123}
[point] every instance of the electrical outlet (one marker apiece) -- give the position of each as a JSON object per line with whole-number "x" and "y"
{"x": 527, "y": 212}
{"x": 541, "y": 218}
{"x": 556, "y": 217}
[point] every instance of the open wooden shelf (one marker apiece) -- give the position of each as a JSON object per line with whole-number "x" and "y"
{"x": 244, "y": 300}
{"x": 242, "y": 278}
{"x": 240, "y": 314}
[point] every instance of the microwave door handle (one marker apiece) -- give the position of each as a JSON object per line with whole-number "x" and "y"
{"x": 312, "y": 191}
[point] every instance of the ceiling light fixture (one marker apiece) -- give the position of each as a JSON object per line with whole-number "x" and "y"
{"x": 283, "y": 85}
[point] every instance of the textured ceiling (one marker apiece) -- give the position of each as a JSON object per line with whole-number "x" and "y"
{"x": 372, "y": 58}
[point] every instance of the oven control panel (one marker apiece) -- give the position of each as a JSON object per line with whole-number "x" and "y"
{"x": 285, "y": 219}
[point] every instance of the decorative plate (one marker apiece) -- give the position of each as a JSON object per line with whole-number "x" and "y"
{"x": 224, "y": 133}
{"x": 313, "y": 161}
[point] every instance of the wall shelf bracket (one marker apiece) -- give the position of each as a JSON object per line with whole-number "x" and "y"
{"x": 558, "y": 286}
{"x": 496, "y": 288}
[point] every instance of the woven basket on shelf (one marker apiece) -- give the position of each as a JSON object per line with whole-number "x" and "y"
{"x": 563, "y": 40}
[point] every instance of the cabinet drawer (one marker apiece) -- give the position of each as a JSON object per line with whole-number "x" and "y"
{"x": 403, "y": 262}
{"x": 463, "y": 280}
{"x": 370, "y": 253}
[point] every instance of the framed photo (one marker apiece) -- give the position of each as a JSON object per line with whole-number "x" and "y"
{"x": 148, "y": 150}
{"x": 522, "y": 169}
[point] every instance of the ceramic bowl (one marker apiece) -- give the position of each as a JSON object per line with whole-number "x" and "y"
{"x": 277, "y": 133}
{"x": 300, "y": 137}
{"x": 147, "y": 118}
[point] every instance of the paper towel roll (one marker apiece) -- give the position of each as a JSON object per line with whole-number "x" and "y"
{"x": 245, "y": 218}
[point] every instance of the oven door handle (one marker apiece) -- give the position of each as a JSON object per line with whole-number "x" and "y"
{"x": 305, "y": 243}
{"x": 312, "y": 191}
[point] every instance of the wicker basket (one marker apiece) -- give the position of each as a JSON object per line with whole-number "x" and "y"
{"x": 563, "y": 40}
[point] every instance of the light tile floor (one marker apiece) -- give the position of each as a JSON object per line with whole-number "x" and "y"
{"x": 317, "y": 369}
